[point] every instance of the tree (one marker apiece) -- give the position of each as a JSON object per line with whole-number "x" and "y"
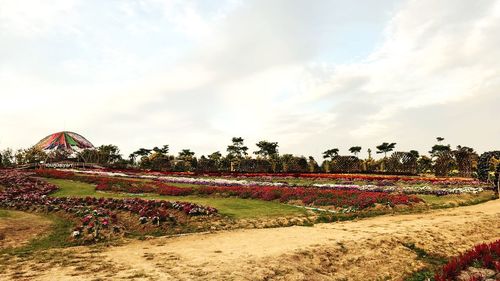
{"x": 142, "y": 152}
{"x": 163, "y": 150}
{"x": 158, "y": 160}
{"x": 386, "y": 147}
{"x": 8, "y": 158}
{"x": 267, "y": 149}
{"x": 109, "y": 154}
{"x": 313, "y": 165}
{"x": 237, "y": 149}
{"x": 424, "y": 164}
{"x": 34, "y": 155}
{"x": 186, "y": 155}
{"x": 438, "y": 149}
{"x": 293, "y": 164}
{"x": 188, "y": 163}
{"x": 88, "y": 155}
{"x": 414, "y": 154}
{"x": 465, "y": 158}
{"x": 331, "y": 153}
{"x": 355, "y": 150}
{"x": 216, "y": 156}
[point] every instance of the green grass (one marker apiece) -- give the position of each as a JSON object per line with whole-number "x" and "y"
{"x": 432, "y": 263}
{"x": 146, "y": 181}
{"x": 69, "y": 188}
{"x": 233, "y": 207}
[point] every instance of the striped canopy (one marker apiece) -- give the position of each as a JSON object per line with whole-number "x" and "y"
{"x": 67, "y": 141}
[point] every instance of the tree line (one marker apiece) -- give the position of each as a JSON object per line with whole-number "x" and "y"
{"x": 443, "y": 160}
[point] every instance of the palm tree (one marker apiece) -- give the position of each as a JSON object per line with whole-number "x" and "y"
{"x": 386, "y": 147}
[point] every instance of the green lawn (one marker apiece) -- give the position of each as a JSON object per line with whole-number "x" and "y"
{"x": 233, "y": 207}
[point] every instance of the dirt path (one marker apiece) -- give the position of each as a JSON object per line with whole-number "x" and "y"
{"x": 370, "y": 249}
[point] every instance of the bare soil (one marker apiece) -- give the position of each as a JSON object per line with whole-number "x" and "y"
{"x": 368, "y": 249}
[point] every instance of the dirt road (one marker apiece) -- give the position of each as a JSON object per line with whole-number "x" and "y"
{"x": 369, "y": 249}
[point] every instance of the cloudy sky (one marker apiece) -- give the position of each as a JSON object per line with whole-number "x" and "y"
{"x": 310, "y": 75}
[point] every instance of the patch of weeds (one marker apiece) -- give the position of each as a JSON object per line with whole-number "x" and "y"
{"x": 432, "y": 262}
{"x": 5, "y": 214}
{"x": 421, "y": 275}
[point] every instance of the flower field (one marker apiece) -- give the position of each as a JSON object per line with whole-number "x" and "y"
{"x": 341, "y": 197}
{"x": 308, "y": 196}
{"x": 480, "y": 263}
{"x": 343, "y": 176}
{"x": 102, "y": 213}
{"x": 431, "y": 187}
{"x": 26, "y": 193}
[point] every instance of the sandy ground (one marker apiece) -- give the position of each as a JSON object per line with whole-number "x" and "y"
{"x": 19, "y": 228}
{"x": 369, "y": 249}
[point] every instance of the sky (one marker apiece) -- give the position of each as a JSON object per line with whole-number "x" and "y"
{"x": 310, "y": 75}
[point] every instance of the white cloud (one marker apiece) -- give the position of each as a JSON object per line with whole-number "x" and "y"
{"x": 194, "y": 74}
{"x": 28, "y": 18}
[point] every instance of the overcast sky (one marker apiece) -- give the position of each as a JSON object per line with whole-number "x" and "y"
{"x": 310, "y": 75}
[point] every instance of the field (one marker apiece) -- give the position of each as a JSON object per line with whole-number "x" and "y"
{"x": 139, "y": 226}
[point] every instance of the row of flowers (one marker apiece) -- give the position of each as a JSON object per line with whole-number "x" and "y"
{"x": 349, "y": 177}
{"x": 484, "y": 256}
{"x": 345, "y": 196}
{"x": 425, "y": 189}
{"x": 308, "y": 196}
{"x": 138, "y": 187}
{"x": 24, "y": 192}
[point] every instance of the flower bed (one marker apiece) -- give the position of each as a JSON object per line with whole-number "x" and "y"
{"x": 345, "y": 177}
{"x": 344, "y": 196}
{"x": 364, "y": 177}
{"x": 484, "y": 256}
{"x": 407, "y": 189}
{"x": 308, "y": 196}
{"x": 24, "y": 192}
{"x": 122, "y": 185}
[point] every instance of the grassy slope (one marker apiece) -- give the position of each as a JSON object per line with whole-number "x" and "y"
{"x": 233, "y": 207}
{"x": 454, "y": 200}
{"x": 55, "y": 238}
